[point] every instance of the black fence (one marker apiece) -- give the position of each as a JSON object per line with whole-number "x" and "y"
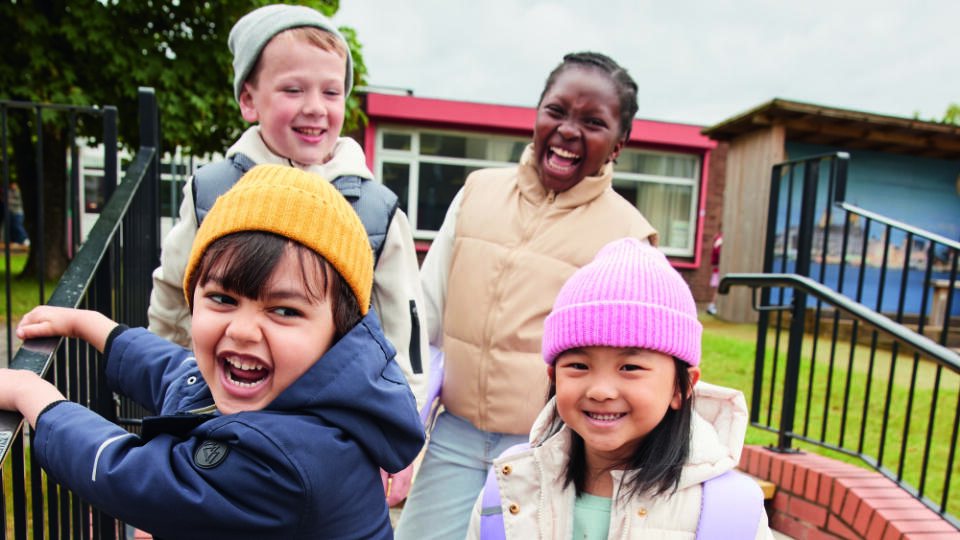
{"x": 33, "y": 113}
{"x": 110, "y": 273}
{"x": 855, "y": 310}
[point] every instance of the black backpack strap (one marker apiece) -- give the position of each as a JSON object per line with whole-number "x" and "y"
{"x": 214, "y": 179}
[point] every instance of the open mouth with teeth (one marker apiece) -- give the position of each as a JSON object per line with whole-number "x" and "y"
{"x": 562, "y": 160}
{"x": 310, "y": 132}
{"x": 604, "y": 417}
{"x": 244, "y": 374}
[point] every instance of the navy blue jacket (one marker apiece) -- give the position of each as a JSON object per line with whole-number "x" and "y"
{"x": 307, "y": 466}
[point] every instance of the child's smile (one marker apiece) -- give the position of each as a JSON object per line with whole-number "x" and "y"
{"x": 613, "y": 397}
{"x": 250, "y": 350}
{"x": 244, "y": 373}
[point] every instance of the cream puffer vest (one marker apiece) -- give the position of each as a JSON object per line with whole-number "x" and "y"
{"x": 515, "y": 245}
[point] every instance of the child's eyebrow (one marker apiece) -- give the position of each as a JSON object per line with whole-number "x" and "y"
{"x": 275, "y": 295}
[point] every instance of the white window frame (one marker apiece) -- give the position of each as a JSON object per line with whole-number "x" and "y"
{"x": 693, "y": 182}
{"x": 412, "y": 158}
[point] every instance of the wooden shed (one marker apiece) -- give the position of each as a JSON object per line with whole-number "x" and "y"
{"x": 762, "y": 137}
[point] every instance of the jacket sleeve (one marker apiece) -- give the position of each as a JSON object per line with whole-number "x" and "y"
{"x": 142, "y": 366}
{"x": 253, "y": 492}
{"x": 398, "y": 300}
{"x": 168, "y": 313}
{"x": 436, "y": 271}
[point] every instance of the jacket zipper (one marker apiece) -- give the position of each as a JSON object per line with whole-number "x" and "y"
{"x": 416, "y": 363}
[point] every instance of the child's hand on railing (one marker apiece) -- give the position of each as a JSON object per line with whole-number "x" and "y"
{"x": 24, "y": 391}
{"x": 47, "y": 321}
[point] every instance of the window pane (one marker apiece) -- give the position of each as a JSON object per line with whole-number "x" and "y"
{"x": 462, "y": 146}
{"x": 666, "y": 207}
{"x": 676, "y": 166}
{"x": 396, "y": 141}
{"x": 396, "y": 176}
{"x": 438, "y": 184}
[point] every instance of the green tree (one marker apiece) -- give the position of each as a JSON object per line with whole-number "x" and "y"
{"x": 952, "y": 116}
{"x": 95, "y": 53}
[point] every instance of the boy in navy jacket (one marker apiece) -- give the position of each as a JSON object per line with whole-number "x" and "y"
{"x": 277, "y": 423}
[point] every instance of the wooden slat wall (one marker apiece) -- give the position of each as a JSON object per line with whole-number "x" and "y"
{"x": 749, "y": 163}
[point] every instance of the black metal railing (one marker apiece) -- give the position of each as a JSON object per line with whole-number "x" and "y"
{"x": 110, "y": 273}
{"x": 903, "y": 271}
{"x": 896, "y": 409}
{"x": 34, "y": 113}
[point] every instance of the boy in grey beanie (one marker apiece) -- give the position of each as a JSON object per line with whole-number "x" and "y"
{"x": 292, "y": 73}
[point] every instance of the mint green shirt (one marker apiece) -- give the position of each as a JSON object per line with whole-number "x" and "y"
{"x": 591, "y": 517}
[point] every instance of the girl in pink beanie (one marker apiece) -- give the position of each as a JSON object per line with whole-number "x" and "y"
{"x": 631, "y": 445}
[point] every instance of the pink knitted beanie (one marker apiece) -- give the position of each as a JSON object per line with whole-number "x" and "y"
{"x": 628, "y": 296}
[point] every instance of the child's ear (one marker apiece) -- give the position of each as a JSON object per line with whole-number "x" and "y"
{"x": 694, "y": 379}
{"x": 247, "y": 108}
{"x": 615, "y": 153}
{"x": 551, "y": 374}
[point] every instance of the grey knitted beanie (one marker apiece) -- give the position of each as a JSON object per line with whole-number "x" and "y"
{"x": 252, "y": 32}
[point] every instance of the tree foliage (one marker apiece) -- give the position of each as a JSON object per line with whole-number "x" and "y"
{"x": 99, "y": 52}
{"x": 952, "y": 116}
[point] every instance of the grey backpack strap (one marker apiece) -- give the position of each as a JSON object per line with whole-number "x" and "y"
{"x": 374, "y": 203}
{"x": 214, "y": 179}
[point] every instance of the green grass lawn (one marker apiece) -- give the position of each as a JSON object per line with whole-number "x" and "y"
{"x": 881, "y": 419}
{"x": 24, "y": 291}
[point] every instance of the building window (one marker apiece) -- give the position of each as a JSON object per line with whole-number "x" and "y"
{"x": 426, "y": 169}
{"x": 665, "y": 187}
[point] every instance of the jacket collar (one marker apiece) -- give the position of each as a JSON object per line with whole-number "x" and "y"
{"x": 348, "y": 158}
{"x": 588, "y": 189}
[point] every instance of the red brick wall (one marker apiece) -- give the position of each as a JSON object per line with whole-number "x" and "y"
{"x": 819, "y": 498}
{"x": 699, "y": 278}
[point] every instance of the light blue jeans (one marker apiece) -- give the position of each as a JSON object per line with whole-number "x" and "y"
{"x": 451, "y": 477}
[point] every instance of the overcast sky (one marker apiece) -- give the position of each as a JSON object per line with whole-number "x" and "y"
{"x": 697, "y": 62}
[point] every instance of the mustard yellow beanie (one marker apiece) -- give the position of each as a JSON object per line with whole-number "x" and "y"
{"x": 297, "y": 205}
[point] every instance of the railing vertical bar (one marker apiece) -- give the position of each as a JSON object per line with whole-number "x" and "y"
{"x": 931, "y": 421}
{"x": 824, "y": 261}
{"x": 110, "y": 172}
{"x": 8, "y": 277}
{"x": 948, "y": 309}
{"x": 927, "y": 275}
{"x": 73, "y": 197}
{"x": 52, "y": 490}
{"x": 3, "y": 493}
{"x": 36, "y": 491}
{"x": 836, "y": 326}
{"x": 18, "y": 487}
{"x": 39, "y": 241}
{"x": 896, "y": 346}
{"x": 893, "y": 360}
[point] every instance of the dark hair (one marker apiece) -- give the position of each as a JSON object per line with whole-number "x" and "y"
{"x": 243, "y": 263}
{"x": 656, "y": 464}
{"x": 624, "y": 83}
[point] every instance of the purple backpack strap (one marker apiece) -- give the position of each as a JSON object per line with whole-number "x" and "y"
{"x": 434, "y": 385}
{"x": 491, "y": 508}
{"x": 731, "y": 507}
